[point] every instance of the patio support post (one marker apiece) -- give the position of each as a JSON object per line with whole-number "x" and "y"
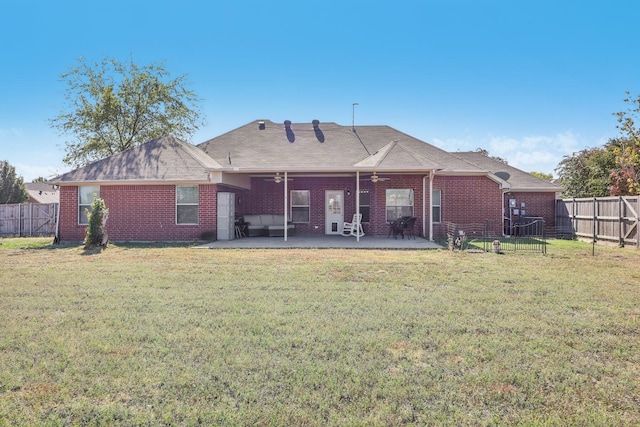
{"x": 358, "y": 205}
{"x": 286, "y": 205}
{"x": 431, "y": 175}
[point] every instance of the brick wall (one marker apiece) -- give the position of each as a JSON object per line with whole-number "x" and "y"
{"x": 536, "y": 204}
{"x": 147, "y": 212}
{"x": 468, "y": 200}
{"x": 139, "y": 213}
{"x": 464, "y": 199}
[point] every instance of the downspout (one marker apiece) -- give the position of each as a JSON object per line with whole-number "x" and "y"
{"x": 431, "y": 177}
{"x": 286, "y": 205}
{"x": 358, "y": 205}
{"x": 504, "y": 192}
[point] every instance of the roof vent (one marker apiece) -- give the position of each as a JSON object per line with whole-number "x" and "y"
{"x": 261, "y": 125}
{"x": 317, "y": 131}
{"x": 291, "y": 137}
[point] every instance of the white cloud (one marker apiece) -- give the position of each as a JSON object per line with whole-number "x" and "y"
{"x": 538, "y": 153}
{"x": 29, "y": 172}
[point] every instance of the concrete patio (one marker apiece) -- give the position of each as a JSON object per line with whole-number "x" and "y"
{"x": 323, "y": 242}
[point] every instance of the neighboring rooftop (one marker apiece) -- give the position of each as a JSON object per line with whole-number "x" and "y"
{"x": 42, "y": 192}
{"x": 518, "y": 179}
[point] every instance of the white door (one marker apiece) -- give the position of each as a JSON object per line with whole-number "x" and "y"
{"x": 334, "y": 211}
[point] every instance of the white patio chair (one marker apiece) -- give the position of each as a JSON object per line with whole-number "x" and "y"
{"x": 353, "y": 228}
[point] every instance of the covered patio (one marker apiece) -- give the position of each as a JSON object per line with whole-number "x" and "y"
{"x": 323, "y": 242}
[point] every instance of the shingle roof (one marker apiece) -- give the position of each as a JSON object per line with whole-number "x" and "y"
{"x": 162, "y": 159}
{"x": 265, "y": 145}
{"x": 518, "y": 179}
{"x": 42, "y": 192}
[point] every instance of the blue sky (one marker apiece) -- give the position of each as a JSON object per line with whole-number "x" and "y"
{"x": 530, "y": 81}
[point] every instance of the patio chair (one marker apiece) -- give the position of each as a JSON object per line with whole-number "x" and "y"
{"x": 353, "y": 228}
{"x": 401, "y": 226}
{"x": 407, "y": 227}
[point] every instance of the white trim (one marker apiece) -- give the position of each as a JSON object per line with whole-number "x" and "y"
{"x": 85, "y": 204}
{"x": 187, "y": 204}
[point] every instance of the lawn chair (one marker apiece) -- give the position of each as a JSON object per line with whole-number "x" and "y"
{"x": 407, "y": 227}
{"x": 353, "y": 228}
{"x": 403, "y": 225}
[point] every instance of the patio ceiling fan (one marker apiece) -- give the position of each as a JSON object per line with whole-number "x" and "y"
{"x": 277, "y": 178}
{"x": 375, "y": 178}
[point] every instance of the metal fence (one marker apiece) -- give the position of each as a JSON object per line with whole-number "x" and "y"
{"x": 526, "y": 237}
{"x": 613, "y": 219}
{"x": 28, "y": 219}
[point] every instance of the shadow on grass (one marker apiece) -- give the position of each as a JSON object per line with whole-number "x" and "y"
{"x": 40, "y": 243}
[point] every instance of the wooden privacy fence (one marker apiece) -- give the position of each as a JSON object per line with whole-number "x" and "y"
{"x": 28, "y": 219}
{"x": 613, "y": 219}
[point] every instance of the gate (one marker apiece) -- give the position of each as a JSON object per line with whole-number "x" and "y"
{"x": 29, "y": 219}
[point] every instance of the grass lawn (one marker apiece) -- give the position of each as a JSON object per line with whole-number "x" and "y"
{"x": 152, "y": 335}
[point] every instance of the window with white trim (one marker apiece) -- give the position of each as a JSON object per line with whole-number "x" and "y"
{"x": 186, "y": 204}
{"x": 399, "y": 203}
{"x": 436, "y": 206}
{"x": 300, "y": 206}
{"x": 86, "y": 195}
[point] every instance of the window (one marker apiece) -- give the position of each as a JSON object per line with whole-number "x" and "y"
{"x": 187, "y": 204}
{"x": 436, "y": 207}
{"x": 365, "y": 205}
{"x": 399, "y": 203}
{"x": 86, "y": 194}
{"x": 300, "y": 206}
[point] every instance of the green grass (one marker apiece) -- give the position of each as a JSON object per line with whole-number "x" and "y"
{"x": 141, "y": 335}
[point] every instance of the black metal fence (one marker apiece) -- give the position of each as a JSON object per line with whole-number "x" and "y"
{"x": 526, "y": 237}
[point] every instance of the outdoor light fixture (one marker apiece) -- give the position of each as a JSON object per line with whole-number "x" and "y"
{"x": 374, "y": 178}
{"x": 277, "y": 179}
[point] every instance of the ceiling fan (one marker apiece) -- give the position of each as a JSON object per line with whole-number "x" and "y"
{"x": 277, "y": 178}
{"x": 375, "y": 178}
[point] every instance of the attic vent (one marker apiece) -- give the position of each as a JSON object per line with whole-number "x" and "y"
{"x": 261, "y": 125}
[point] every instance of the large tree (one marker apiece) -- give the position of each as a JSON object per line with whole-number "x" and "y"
{"x": 587, "y": 173}
{"x": 112, "y": 106}
{"x": 626, "y": 176}
{"x": 12, "y": 189}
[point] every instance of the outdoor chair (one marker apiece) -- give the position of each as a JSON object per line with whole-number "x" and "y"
{"x": 353, "y": 228}
{"x": 407, "y": 227}
{"x": 401, "y": 226}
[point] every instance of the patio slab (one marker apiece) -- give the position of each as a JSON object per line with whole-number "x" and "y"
{"x": 324, "y": 242}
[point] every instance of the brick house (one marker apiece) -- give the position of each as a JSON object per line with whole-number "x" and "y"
{"x": 317, "y": 175}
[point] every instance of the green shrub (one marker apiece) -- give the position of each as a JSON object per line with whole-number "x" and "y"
{"x": 97, "y": 229}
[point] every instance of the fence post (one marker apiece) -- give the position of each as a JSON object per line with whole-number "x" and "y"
{"x": 620, "y": 236}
